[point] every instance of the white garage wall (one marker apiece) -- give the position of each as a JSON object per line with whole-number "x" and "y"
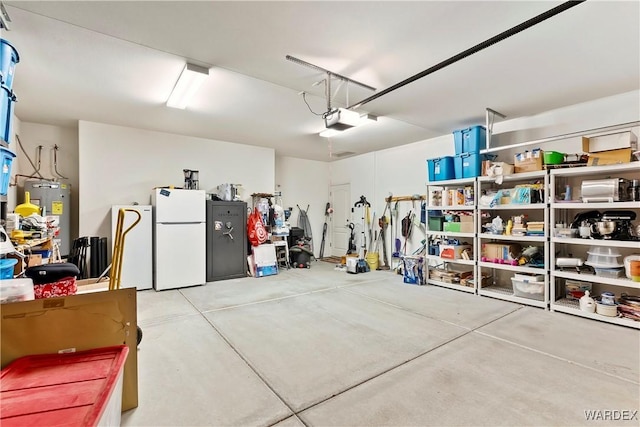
{"x": 612, "y": 110}
{"x": 34, "y": 134}
{"x": 121, "y": 165}
{"x": 304, "y": 182}
{"x": 359, "y": 172}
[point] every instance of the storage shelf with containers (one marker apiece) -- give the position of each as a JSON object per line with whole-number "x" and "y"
{"x": 595, "y": 242}
{"x": 451, "y": 226}
{"x": 512, "y": 222}
{"x": 450, "y": 231}
{"x": 528, "y": 218}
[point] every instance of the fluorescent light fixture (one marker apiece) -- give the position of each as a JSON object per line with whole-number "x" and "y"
{"x": 328, "y": 133}
{"x": 190, "y": 79}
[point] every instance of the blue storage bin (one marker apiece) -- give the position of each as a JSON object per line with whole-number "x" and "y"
{"x": 6, "y": 268}
{"x": 5, "y": 171}
{"x": 7, "y": 99}
{"x": 467, "y": 165}
{"x": 470, "y": 140}
{"x": 440, "y": 169}
{"x": 8, "y": 60}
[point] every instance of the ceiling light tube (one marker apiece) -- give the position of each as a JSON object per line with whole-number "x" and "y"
{"x": 330, "y": 132}
{"x": 190, "y": 79}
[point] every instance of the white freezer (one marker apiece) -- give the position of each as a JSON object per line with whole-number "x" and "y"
{"x": 179, "y": 255}
{"x": 183, "y": 206}
{"x": 137, "y": 260}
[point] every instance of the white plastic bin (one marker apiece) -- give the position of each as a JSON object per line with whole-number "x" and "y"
{"x": 531, "y": 290}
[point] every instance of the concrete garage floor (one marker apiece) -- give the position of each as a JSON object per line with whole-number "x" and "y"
{"x": 323, "y": 347}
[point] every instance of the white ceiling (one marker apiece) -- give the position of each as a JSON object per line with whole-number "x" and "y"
{"x": 116, "y": 62}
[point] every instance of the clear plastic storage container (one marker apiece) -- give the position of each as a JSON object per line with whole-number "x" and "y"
{"x": 531, "y": 290}
{"x": 15, "y": 290}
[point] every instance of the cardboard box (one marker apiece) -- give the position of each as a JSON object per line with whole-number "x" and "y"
{"x": 529, "y": 161}
{"x": 343, "y": 259}
{"x": 470, "y": 281}
{"x": 612, "y": 157}
{"x": 466, "y": 224}
{"x": 484, "y": 167}
{"x": 33, "y": 260}
{"x": 501, "y": 251}
{"x": 74, "y": 323}
{"x": 499, "y": 168}
{"x": 450, "y": 276}
{"x": 613, "y": 141}
{"x": 466, "y": 227}
{"x": 20, "y": 265}
{"x": 92, "y": 285}
{"x": 453, "y": 251}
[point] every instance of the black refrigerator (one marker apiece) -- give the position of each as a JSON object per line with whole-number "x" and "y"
{"x": 226, "y": 240}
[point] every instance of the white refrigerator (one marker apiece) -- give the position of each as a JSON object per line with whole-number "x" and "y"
{"x": 137, "y": 259}
{"x": 179, "y": 255}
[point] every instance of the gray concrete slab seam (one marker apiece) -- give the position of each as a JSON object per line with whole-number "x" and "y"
{"x": 516, "y": 308}
{"x": 279, "y": 298}
{"x": 553, "y": 356}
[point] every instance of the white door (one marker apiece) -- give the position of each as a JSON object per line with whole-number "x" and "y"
{"x": 179, "y": 205}
{"x": 179, "y": 255}
{"x": 340, "y": 232}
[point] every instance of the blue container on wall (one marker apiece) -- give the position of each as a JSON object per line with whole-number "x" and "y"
{"x": 7, "y": 101}
{"x": 6, "y": 157}
{"x": 8, "y": 59}
{"x": 470, "y": 140}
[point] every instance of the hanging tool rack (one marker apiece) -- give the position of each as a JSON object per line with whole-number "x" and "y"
{"x": 405, "y": 198}
{"x": 393, "y": 224}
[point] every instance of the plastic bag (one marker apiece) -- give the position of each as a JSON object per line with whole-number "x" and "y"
{"x": 255, "y": 229}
